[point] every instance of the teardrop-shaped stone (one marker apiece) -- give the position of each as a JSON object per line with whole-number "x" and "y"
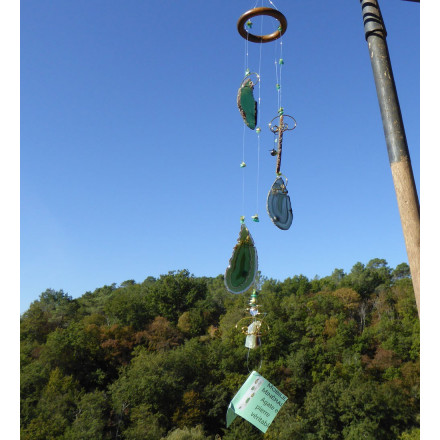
{"x": 243, "y": 265}
{"x": 247, "y": 104}
{"x": 279, "y": 207}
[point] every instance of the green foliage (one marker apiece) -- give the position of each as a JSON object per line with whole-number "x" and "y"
{"x": 54, "y": 309}
{"x": 412, "y": 434}
{"x": 75, "y": 351}
{"x": 55, "y": 408}
{"x": 186, "y": 434}
{"x": 162, "y": 359}
{"x": 401, "y": 271}
{"x": 93, "y": 303}
{"x": 90, "y": 420}
{"x": 128, "y": 305}
{"x": 144, "y": 424}
{"x": 174, "y": 294}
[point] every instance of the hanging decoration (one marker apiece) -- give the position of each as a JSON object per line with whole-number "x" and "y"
{"x": 240, "y": 275}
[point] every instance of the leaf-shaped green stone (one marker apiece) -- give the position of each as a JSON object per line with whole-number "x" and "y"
{"x": 243, "y": 265}
{"x": 247, "y": 104}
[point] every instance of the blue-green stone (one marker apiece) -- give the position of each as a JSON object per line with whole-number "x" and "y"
{"x": 279, "y": 207}
{"x": 247, "y": 104}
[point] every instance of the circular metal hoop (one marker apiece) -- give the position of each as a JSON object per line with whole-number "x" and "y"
{"x": 263, "y": 328}
{"x": 285, "y": 127}
{"x": 261, "y": 38}
{"x": 248, "y": 76}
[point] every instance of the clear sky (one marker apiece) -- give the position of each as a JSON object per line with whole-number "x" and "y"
{"x": 131, "y": 140}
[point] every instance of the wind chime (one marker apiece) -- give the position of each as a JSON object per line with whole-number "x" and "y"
{"x": 243, "y": 265}
{"x": 258, "y": 401}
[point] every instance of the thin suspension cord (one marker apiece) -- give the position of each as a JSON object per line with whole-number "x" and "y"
{"x": 278, "y": 85}
{"x": 243, "y": 179}
{"x": 278, "y": 74}
{"x": 258, "y": 133}
{"x": 246, "y": 69}
{"x": 261, "y": 359}
{"x": 273, "y": 5}
{"x": 281, "y": 69}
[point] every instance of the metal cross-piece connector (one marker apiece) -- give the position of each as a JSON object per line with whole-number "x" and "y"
{"x": 279, "y": 130}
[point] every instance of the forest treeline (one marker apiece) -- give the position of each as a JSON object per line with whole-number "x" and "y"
{"x": 162, "y": 358}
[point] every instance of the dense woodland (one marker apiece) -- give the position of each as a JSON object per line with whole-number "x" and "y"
{"x": 161, "y": 359}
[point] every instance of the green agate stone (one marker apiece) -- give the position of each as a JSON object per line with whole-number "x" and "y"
{"x": 247, "y": 104}
{"x": 243, "y": 265}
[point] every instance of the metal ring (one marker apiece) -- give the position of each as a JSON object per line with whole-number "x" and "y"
{"x": 275, "y": 128}
{"x": 261, "y": 38}
{"x": 248, "y": 76}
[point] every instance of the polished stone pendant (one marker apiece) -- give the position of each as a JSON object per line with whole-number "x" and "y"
{"x": 247, "y": 104}
{"x": 279, "y": 207}
{"x": 243, "y": 265}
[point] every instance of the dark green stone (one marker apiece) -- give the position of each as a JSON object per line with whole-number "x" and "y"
{"x": 243, "y": 265}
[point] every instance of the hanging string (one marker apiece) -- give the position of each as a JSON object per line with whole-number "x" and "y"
{"x": 279, "y": 61}
{"x": 281, "y": 70}
{"x": 273, "y": 5}
{"x": 242, "y": 172}
{"x": 243, "y": 163}
{"x": 259, "y": 129}
{"x": 261, "y": 359}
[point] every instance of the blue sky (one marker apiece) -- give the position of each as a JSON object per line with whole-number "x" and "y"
{"x": 131, "y": 140}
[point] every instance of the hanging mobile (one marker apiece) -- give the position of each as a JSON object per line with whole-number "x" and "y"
{"x": 243, "y": 265}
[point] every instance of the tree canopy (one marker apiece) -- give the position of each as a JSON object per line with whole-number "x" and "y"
{"x": 161, "y": 359}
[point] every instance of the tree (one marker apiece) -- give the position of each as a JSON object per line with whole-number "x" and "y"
{"x": 322, "y": 409}
{"x": 55, "y": 409}
{"x": 186, "y": 434}
{"x": 90, "y": 419}
{"x": 129, "y": 306}
{"x": 401, "y": 271}
{"x": 161, "y": 335}
{"x": 156, "y": 359}
{"x": 191, "y": 411}
{"x": 174, "y": 294}
{"x": 144, "y": 424}
{"x": 365, "y": 279}
{"x": 54, "y": 309}
{"x": 75, "y": 351}
{"x": 93, "y": 302}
